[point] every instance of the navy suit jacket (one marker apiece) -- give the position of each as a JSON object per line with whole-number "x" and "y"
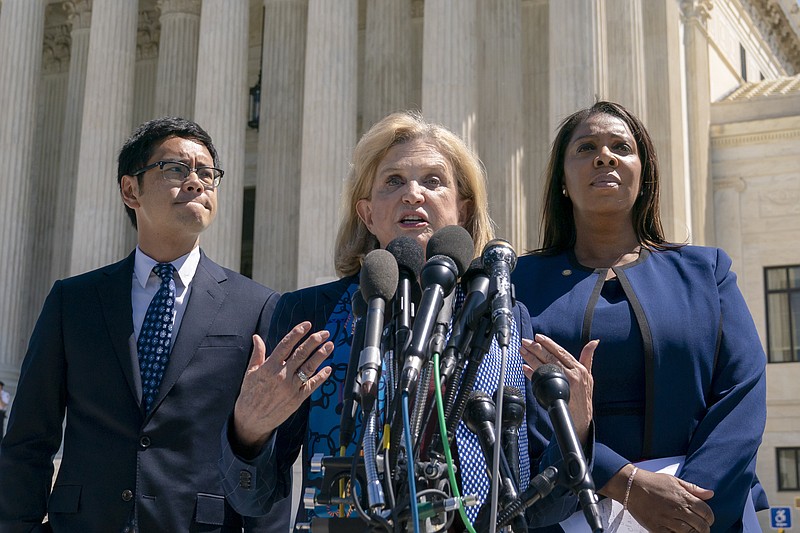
{"x": 82, "y": 359}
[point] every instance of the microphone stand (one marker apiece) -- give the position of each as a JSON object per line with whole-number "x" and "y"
{"x": 498, "y": 423}
{"x": 541, "y": 485}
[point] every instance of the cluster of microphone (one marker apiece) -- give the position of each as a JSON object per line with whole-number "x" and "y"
{"x": 404, "y": 321}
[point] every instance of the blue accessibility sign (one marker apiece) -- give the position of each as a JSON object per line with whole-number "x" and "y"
{"x": 780, "y": 517}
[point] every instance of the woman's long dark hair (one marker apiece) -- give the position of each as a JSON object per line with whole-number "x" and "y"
{"x": 558, "y": 224}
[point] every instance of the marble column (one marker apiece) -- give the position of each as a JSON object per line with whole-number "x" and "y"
{"x": 101, "y": 228}
{"x": 500, "y": 138}
{"x": 577, "y": 56}
{"x": 698, "y": 113}
{"x": 46, "y": 171}
{"x": 21, "y": 37}
{"x": 663, "y": 73}
{"x": 79, "y": 16}
{"x": 625, "y": 55}
{"x": 536, "y": 109}
{"x": 177, "y": 62}
{"x": 146, "y": 71}
{"x": 727, "y": 199}
{"x": 329, "y": 131}
{"x": 450, "y": 66}
{"x": 417, "y": 52}
{"x": 277, "y": 213}
{"x": 387, "y": 59}
{"x": 221, "y": 109}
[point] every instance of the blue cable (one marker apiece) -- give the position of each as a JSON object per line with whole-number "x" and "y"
{"x": 412, "y": 484}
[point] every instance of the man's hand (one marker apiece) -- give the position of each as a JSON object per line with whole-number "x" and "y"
{"x": 272, "y": 390}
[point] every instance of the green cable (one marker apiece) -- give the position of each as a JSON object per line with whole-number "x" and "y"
{"x": 451, "y": 474}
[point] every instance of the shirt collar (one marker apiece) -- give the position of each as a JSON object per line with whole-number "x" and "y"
{"x": 186, "y": 265}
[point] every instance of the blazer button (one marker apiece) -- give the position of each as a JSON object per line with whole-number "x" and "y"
{"x": 144, "y": 442}
{"x": 245, "y": 480}
{"x": 127, "y": 495}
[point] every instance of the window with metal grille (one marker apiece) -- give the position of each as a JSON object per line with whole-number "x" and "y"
{"x": 788, "y": 461}
{"x": 783, "y": 313}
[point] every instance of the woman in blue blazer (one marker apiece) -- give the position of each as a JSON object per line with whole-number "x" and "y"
{"x": 679, "y": 369}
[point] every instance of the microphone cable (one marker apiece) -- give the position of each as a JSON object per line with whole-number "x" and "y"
{"x": 374, "y": 520}
{"x": 451, "y": 472}
{"x": 412, "y": 480}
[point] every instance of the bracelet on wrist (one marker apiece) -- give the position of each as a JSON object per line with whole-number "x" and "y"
{"x": 628, "y": 488}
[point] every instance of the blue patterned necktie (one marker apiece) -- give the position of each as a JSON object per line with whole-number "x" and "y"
{"x": 155, "y": 337}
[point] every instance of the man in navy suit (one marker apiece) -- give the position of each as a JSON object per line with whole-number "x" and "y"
{"x": 130, "y": 465}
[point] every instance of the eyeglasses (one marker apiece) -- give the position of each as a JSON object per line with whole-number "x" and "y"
{"x": 176, "y": 172}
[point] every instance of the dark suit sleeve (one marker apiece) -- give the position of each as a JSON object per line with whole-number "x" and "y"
{"x": 252, "y": 486}
{"x": 34, "y": 427}
{"x": 722, "y": 452}
{"x": 267, "y": 314}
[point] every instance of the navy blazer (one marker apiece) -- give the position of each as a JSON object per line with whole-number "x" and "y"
{"x": 82, "y": 359}
{"x": 269, "y": 476}
{"x": 705, "y": 386}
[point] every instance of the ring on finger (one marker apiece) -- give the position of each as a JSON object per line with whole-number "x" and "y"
{"x": 302, "y": 375}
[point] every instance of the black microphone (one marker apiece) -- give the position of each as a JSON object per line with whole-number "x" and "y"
{"x": 378, "y": 283}
{"x": 438, "y": 279}
{"x": 348, "y": 420}
{"x": 551, "y": 389}
{"x": 448, "y": 248}
{"x": 410, "y": 259}
{"x": 475, "y": 282}
{"x": 479, "y": 417}
{"x": 455, "y": 242}
{"x": 499, "y": 260}
{"x": 512, "y": 416}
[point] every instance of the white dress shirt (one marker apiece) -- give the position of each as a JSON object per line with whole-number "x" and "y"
{"x": 146, "y": 282}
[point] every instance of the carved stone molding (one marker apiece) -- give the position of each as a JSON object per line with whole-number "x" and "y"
{"x": 736, "y": 183}
{"x": 755, "y": 138}
{"x": 79, "y": 13}
{"x": 778, "y": 203}
{"x": 417, "y": 9}
{"x": 770, "y": 20}
{"x": 147, "y": 35}
{"x": 56, "y": 50}
{"x": 191, "y": 7}
{"x": 697, "y": 11}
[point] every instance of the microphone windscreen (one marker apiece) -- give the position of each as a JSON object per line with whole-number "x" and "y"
{"x": 359, "y": 305}
{"x": 456, "y": 243}
{"x": 408, "y": 253}
{"x": 511, "y": 393}
{"x": 379, "y": 275}
{"x": 475, "y": 269}
{"x": 546, "y": 372}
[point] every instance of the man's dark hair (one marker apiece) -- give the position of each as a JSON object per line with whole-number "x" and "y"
{"x": 136, "y": 151}
{"x": 2, "y": 384}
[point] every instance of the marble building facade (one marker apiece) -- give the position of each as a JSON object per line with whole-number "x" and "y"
{"x": 715, "y": 81}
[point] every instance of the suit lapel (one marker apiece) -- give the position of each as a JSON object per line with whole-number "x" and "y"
{"x": 205, "y": 301}
{"x": 115, "y": 299}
